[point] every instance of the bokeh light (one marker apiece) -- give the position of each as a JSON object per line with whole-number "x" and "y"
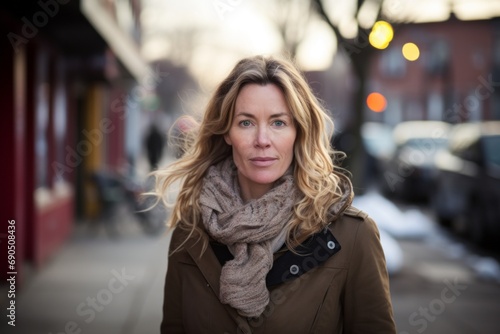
{"x": 381, "y": 35}
{"x": 376, "y": 102}
{"x": 411, "y": 51}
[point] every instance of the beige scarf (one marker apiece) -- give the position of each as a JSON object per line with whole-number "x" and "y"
{"x": 253, "y": 231}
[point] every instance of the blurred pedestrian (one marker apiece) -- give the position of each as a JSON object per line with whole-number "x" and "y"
{"x": 265, "y": 238}
{"x": 155, "y": 141}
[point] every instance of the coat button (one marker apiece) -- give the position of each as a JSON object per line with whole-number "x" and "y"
{"x": 331, "y": 244}
{"x": 294, "y": 269}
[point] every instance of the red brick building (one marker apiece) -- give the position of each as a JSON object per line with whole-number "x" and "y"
{"x": 455, "y": 79}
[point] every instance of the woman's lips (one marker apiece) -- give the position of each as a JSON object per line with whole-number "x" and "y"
{"x": 263, "y": 161}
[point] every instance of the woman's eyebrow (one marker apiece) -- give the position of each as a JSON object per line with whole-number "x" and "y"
{"x": 277, "y": 115}
{"x": 282, "y": 114}
{"x": 243, "y": 114}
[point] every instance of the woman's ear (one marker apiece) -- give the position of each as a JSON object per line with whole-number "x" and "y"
{"x": 227, "y": 139}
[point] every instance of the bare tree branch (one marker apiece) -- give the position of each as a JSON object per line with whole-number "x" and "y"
{"x": 318, "y": 4}
{"x": 291, "y": 19}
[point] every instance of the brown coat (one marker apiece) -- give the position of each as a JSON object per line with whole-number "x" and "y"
{"x": 348, "y": 293}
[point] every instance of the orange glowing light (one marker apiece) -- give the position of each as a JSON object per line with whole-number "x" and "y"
{"x": 376, "y": 102}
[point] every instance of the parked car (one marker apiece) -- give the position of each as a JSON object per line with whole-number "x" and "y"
{"x": 379, "y": 146}
{"x": 468, "y": 192}
{"x": 410, "y": 173}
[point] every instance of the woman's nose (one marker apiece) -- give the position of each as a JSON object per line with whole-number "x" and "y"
{"x": 262, "y": 137}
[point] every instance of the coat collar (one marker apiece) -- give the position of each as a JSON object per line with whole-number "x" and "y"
{"x": 292, "y": 264}
{"x": 310, "y": 254}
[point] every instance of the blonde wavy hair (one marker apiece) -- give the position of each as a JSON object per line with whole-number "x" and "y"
{"x": 315, "y": 174}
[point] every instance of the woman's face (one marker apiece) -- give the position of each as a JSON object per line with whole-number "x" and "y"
{"x": 262, "y": 137}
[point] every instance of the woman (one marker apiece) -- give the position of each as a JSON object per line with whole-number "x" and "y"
{"x": 265, "y": 239}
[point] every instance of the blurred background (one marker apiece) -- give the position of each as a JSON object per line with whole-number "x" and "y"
{"x": 91, "y": 88}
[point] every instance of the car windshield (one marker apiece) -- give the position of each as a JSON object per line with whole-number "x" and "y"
{"x": 492, "y": 150}
{"x": 428, "y": 145}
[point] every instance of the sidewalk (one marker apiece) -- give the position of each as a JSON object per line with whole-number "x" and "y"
{"x": 96, "y": 285}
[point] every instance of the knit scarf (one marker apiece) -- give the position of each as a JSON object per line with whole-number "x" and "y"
{"x": 253, "y": 231}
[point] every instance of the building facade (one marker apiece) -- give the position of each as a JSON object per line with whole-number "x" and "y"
{"x": 455, "y": 79}
{"x": 73, "y": 78}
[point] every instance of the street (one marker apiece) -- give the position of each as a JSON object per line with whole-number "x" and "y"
{"x": 446, "y": 285}
{"x": 437, "y": 292}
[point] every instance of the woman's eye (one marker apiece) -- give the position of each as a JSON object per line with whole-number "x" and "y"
{"x": 279, "y": 123}
{"x": 245, "y": 123}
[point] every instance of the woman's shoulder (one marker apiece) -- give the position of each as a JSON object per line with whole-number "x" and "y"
{"x": 183, "y": 239}
{"x": 357, "y": 234}
{"x": 352, "y": 211}
{"x": 353, "y": 223}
